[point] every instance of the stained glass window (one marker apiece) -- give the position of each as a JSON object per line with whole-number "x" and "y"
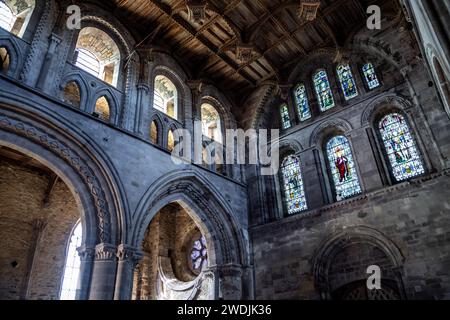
{"x": 285, "y": 119}
{"x": 343, "y": 170}
{"x": 301, "y": 101}
{"x": 199, "y": 254}
{"x": 323, "y": 90}
{"x": 72, "y": 267}
{"x": 293, "y": 185}
{"x": 370, "y": 76}
{"x": 347, "y": 80}
{"x": 400, "y": 147}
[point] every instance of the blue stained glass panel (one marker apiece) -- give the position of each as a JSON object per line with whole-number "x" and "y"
{"x": 347, "y": 80}
{"x": 285, "y": 118}
{"x": 293, "y": 185}
{"x": 370, "y": 76}
{"x": 323, "y": 90}
{"x": 400, "y": 147}
{"x": 301, "y": 101}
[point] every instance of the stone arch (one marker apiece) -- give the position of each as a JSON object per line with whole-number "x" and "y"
{"x": 211, "y": 213}
{"x": 66, "y": 153}
{"x": 329, "y": 248}
{"x": 112, "y": 101}
{"x": 183, "y": 92}
{"x": 15, "y": 54}
{"x": 441, "y": 76}
{"x": 78, "y": 78}
{"x": 380, "y": 104}
{"x": 156, "y": 118}
{"x": 321, "y": 132}
{"x": 221, "y": 103}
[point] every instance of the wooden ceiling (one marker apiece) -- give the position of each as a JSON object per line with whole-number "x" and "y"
{"x": 272, "y": 27}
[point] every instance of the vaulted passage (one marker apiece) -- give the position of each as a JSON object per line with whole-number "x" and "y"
{"x": 37, "y": 216}
{"x": 175, "y": 258}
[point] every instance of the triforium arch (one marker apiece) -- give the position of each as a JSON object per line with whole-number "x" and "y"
{"x": 228, "y": 255}
{"x": 322, "y": 260}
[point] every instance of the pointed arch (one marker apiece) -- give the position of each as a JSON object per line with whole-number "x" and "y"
{"x": 14, "y": 52}
{"x": 206, "y": 207}
{"x": 112, "y": 105}
{"x": 77, "y": 77}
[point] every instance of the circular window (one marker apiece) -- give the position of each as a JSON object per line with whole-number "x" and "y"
{"x": 198, "y": 258}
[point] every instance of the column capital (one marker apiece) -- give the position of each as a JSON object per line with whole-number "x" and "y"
{"x": 105, "y": 252}
{"x": 86, "y": 253}
{"x": 129, "y": 253}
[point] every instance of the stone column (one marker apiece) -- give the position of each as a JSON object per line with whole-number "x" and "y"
{"x": 46, "y": 75}
{"x": 142, "y": 102}
{"x": 87, "y": 255}
{"x": 128, "y": 257}
{"x": 230, "y": 282}
{"x": 104, "y": 272}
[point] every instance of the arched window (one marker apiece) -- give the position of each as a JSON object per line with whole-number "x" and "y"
{"x": 4, "y": 60}
{"x": 102, "y": 110}
{"x": 6, "y": 17}
{"x": 400, "y": 147}
{"x": 323, "y": 90}
{"x": 154, "y": 132}
{"x": 87, "y": 61}
{"x": 370, "y": 76}
{"x": 302, "y": 103}
{"x": 292, "y": 180}
{"x": 343, "y": 169}
{"x": 211, "y": 126}
{"x": 347, "y": 81}
{"x": 166, "y": 97}
{"x": 170, "y": 141}
{"x": 285, "y": 118}
{"x": 72, "y": 94}
{"x": 15, "y": 15}
{"x": 72, "y": 266}
{"x": 98, "y": 54}
{"x": 443, "y": 84}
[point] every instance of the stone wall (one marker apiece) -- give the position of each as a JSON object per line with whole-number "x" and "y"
{"x": 414, "y": 216}
{"x": 22, "y": 193}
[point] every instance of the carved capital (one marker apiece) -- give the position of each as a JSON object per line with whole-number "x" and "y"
{"x": 105, "y": 251}
{"x": 86, "y": 253}
{"x": 127, "y": 253}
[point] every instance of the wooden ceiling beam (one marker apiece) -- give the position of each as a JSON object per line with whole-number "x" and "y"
{"x": 166, "y": 10}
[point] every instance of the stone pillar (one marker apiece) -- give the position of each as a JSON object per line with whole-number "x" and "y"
{"x": 87, "y": 256}
{"x": 230, "y": 282}
{"x": 45, "y": 75}
{"x": 128, "y": 259}
{"x": 313, "y": 179}
{"x": 104, "y": 272}
{"x": 142, "y": 102}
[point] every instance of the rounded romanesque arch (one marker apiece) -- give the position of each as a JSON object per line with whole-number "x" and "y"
{"x": 327, "y": 128}
{"x": 381, "y": 104}
{"x": 324, "y": 260}
{"x": 67, "y": 154}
